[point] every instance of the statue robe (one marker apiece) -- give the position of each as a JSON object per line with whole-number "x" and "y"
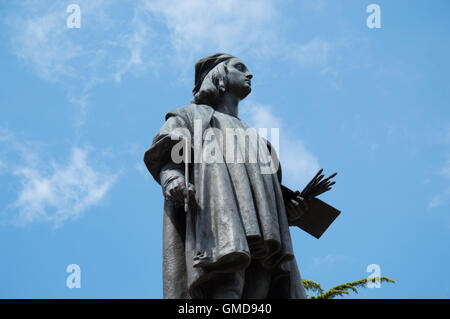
{"x": 238, "y": 215}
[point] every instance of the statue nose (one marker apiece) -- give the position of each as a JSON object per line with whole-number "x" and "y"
{"x": 249, "y": 76}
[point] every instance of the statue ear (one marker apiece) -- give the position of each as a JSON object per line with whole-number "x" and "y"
{"x": 221, "y": 86}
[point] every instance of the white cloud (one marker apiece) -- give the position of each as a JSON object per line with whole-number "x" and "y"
{"x": 53, "y": 192}
{"x": 236, "y": 26}
{"x": 104, "y": 49}
{"x": 142, "y": 169}
{"x": 63, "y": 194}
{"x": 298, "y": 164}
{"x": 442, "y": 197}
{"x": 116, "y": 37}
{"x": 40, "y": 38}
{"x": 252, "y": 28}
{"x": 312, "y": 54}
{"x": 327, "y": 260}
{"x": 137, "y": 41}
{"x": 312, "y": 5}
{"x": 439, "y": 199}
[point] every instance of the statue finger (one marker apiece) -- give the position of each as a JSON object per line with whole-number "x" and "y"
{"x": 171, "y": 196}
{"x": 328, "y": 183}
{"x": 332, "y": 175}
{"x": 312, "y": 188}
{"x": 318, "y": 173}
{"x": 291, "y": 212}
{"x": 297, "y": 213}
{"x": 302, "y": 203}
{"x": 307, "y": 187}
{"x": 178, "y": 193}
{"x": 325, "y": 183}
{"x": 305, "y": 205}
{"x": 293, "y": 202}
{"x": 317, "y": 181}
{"x": 317, "y": 193}
{"x": 167, "y": 195}
{"x": 184, "y": 192}
{"x": 191, "y": 189}
{"x": 322, "y": 186}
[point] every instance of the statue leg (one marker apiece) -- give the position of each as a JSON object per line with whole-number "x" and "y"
{"x": 257, "y": 281}
{"x": 226, "y": 286}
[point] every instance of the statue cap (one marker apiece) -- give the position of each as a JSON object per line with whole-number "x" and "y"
{"x": 204, "y": 65}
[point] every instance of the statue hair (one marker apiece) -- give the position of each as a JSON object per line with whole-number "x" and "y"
{"x": 213, "y": 86}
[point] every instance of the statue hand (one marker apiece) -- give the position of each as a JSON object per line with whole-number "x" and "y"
{"x": 296, "y": 207}
{"x": 176, "y": 190}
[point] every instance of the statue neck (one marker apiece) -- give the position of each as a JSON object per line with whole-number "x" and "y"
{"x": 228, "y": 104}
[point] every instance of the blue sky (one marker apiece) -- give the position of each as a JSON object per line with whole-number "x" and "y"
{"x": 79, "y": 107}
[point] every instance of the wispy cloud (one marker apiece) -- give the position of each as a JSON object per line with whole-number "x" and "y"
{"x": 327, "y": 260}
{"x": 52, "y": 191}
{"x": 312, "y": 54}
{"x": 104, "y": 49}
{"x": 312, "y": 5}
{"x": 142, "y": 170}
{"x": 442, "y": 197}
{"x": 39, "y": 37}
{"x": 196, "y": 26}
{"x": 140, "y": 36}
{"x": 249, "y": 29}
{"x": 439, "y": 199}
{"x": 113, "y": 40}
{"x": 138, "y": 41}
{"x": 298, "y": 164}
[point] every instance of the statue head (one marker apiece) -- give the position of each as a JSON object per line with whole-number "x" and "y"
{"x": 220, "y": 74}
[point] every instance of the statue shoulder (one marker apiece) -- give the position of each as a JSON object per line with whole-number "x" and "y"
{"x": 192, "y": 112}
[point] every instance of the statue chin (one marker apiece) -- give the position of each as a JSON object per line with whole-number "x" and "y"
{"x": 245, "y": 91}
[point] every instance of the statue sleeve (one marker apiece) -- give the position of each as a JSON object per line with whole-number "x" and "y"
{"x": 158, "y": 157}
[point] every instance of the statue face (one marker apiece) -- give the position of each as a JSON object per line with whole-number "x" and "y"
{"x": 238, "y": 78}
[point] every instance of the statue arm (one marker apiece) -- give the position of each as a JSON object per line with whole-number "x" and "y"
{"x": 295, "y": 206}
{"x": 159, "y": 162}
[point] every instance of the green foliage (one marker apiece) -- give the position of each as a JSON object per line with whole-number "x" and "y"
{"x": 339, "y": 290}
{"x": 312, "y": 286}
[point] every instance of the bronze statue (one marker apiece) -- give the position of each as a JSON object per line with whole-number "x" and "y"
{"x": 231, "y": 237}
